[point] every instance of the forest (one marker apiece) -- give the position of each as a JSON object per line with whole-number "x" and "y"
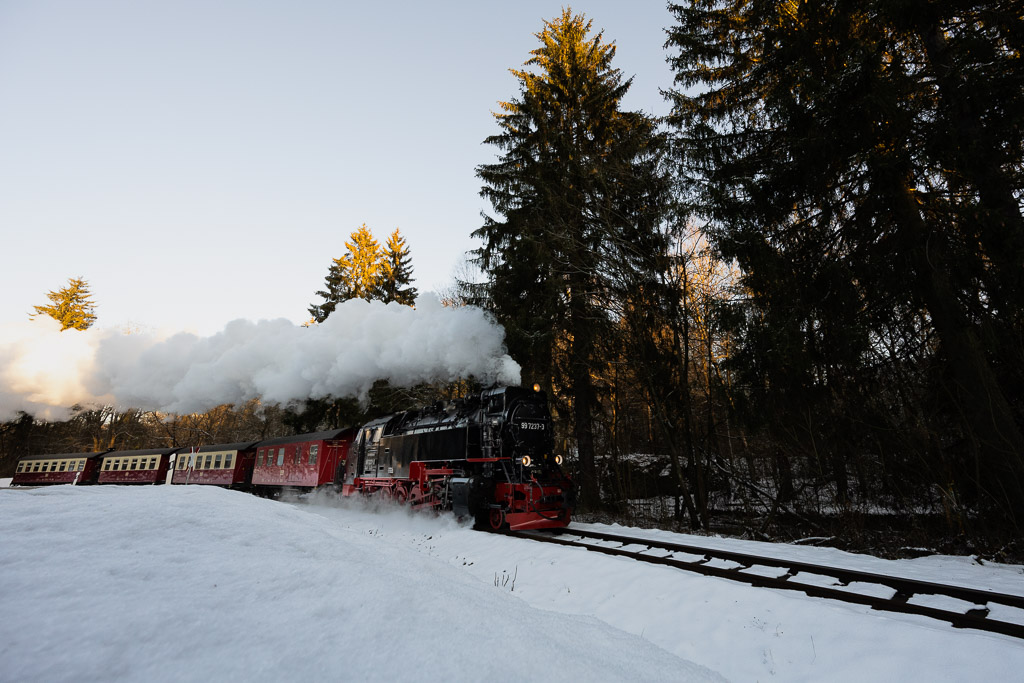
{"x": 791, "y": 309}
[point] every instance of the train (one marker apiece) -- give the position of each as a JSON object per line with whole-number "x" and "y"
{"x": 488, "y": 457}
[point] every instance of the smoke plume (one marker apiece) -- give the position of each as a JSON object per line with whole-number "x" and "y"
{"x": 44, "y": 371}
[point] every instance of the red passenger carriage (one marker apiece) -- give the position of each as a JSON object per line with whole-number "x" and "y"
{"x": 226, "y": 464}
{"x": 301, "y": 461}
{"x": 65, "y": 468}
{"x": 147, "y": 466}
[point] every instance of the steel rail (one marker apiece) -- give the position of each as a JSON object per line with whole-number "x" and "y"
{"x": 904, "y": 589}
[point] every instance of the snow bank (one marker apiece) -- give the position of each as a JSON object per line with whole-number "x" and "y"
{"x": 744, "y": 633}
{"x": 44, "y": 371}
{"x": 194, "y": 583}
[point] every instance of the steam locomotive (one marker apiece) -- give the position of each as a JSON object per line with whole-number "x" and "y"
{"x": 489, "y": 457}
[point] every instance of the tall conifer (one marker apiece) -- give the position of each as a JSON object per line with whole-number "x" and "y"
{"x": 863, "y": 161}
{"x": 569, "y": 208}
{"x": 396, "y": 275}
{"x": 356, "y": 275}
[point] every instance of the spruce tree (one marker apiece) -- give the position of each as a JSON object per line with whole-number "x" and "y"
{"x": 71, "y": 306}
{"x": 356, "y": 275}
{"x": 570, "y": 211}
{"x": 396, "y": 269}
{"x": 834, "y": 149}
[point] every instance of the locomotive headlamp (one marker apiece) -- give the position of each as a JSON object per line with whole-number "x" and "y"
{"x": 536, "y": 387}
{"x": 525, "y": 460}
{"x": 558, "y": 460}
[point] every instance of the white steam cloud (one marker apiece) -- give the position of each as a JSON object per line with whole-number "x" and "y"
{"x": 44, "y": 371}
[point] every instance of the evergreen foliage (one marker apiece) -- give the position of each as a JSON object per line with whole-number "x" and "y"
{"x": 71, "y": 306}
{"x": 367, "y": 272}
{"x": 578, "y": 194}
{"x": 862, "y": 161}
{"x": 397, "y": 277}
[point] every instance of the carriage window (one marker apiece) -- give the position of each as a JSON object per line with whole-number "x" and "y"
{"x": 21, "y": 467}
{"x": 280, "y": 456}
{"x": 313, "y": 451}
{"x": 216, "y": 462}
{"x": 208, "y": 463}
{"x": 227, "y": 460}
{"x": 81, "y": 465}
{"x": 152, "y": 463}
{"x": 46, "y": 466}
{"x": 61, "y": 465}
{"x": 298, "y": 455}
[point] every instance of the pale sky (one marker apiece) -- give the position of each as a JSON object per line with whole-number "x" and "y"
{"x": 199, "y": 161}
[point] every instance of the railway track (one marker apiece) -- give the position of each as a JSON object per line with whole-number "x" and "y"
{"x": 962, "y": 607}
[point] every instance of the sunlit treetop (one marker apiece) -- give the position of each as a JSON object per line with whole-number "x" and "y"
{"x": 71, "y": 306}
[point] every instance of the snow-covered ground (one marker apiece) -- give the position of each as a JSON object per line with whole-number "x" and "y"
{"x": 194, "y": 583}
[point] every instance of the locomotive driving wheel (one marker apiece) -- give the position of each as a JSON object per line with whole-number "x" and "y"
{"x": 496, "y": 518}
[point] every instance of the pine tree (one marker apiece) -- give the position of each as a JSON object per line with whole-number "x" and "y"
{"x": 397, "y": 277}
{"x": 356, "y": 275}
{"x": 860, "y": 161}
{"x": 572, "y": 210}
{"x": 71, "y": 306}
